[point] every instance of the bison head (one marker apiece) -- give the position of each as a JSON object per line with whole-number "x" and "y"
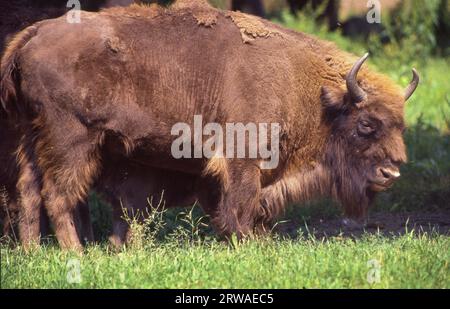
{"x": 365, "y": 147}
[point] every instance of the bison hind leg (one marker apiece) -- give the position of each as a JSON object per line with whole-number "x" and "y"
{"x": 62, "y": 201}
{"x": 29, "y": 201}
{"x": 69, "y": 164}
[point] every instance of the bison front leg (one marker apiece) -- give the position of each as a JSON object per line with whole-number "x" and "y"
{"x": 84, "y": 223}
{"x": 238, "y": 209}
{"x": 128, "y": 206}
{"x": 120, "y": 225}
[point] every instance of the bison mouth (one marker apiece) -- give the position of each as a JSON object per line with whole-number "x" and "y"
{"x": 384, "y": 178}
{"x": 377, "y": 187}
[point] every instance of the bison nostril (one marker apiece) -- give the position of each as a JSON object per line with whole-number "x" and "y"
{"x": 384, "y": 173}
{"x": 390, "y": 173}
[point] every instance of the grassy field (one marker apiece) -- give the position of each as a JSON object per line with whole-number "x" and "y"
{"x": 371, "y": 262}
{"x": 183, "y": 253}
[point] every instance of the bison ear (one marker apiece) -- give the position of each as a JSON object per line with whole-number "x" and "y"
{"x": 333, "y": 99}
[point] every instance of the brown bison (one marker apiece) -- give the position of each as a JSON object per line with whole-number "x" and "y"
{"x": 124, "y": 77}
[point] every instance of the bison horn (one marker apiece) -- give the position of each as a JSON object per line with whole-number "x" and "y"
{"x": 356, "y": 92}
{"x": 412, "y": 85}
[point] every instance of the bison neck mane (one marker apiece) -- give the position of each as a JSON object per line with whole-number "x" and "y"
{"x": 332, "y": 175}
{"x": 297, "y": 186}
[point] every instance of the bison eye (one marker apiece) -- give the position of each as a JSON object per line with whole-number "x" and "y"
{"x": 365, "y": 128}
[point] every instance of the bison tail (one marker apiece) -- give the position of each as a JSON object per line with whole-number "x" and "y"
{"x": 9, "y": 81}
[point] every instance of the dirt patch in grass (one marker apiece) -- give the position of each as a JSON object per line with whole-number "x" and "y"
{"x": 384, "y": 223}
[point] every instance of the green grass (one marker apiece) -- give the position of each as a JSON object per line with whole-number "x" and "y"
{"x": 403, "y": 262}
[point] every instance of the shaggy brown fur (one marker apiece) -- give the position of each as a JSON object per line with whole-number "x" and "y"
{"x": 7, "y": 66}
{"x": 171, "y": 68}
{"x": 22, "y": 213}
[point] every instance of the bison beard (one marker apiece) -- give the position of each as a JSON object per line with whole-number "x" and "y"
{"x": 349, "y": 183}
{"x": 341, "y": 132}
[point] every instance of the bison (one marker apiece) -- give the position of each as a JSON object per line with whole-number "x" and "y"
{"x": 115, "y": 84}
